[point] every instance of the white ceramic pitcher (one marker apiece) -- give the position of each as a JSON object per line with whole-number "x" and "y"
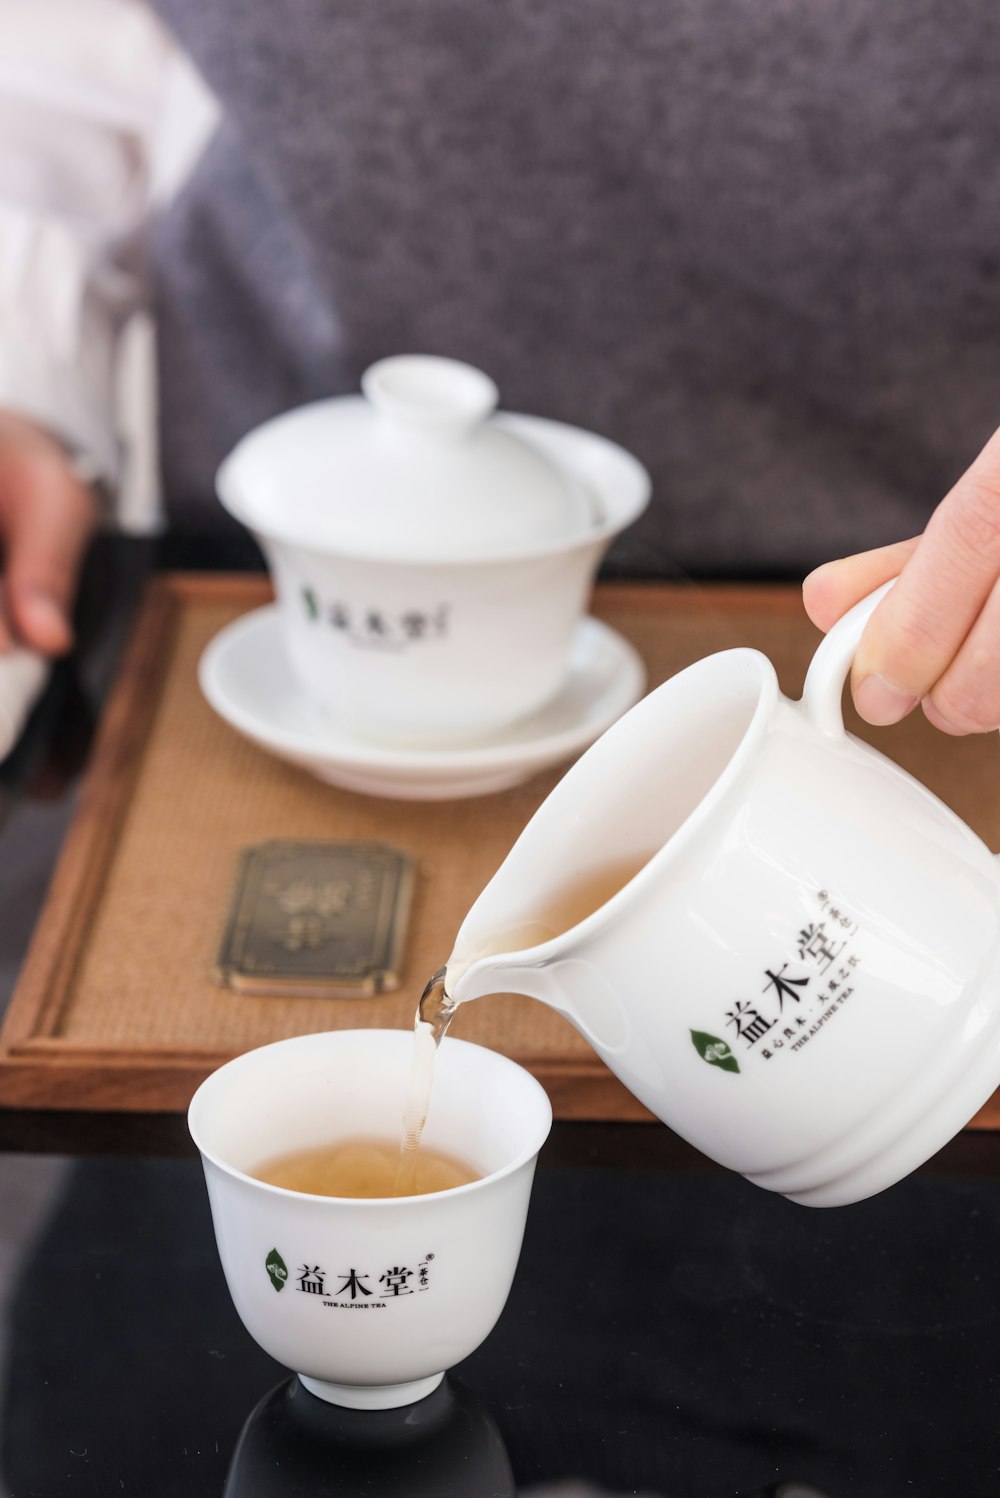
{"x": 803, "y": 977}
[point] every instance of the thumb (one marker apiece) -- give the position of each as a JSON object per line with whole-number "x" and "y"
{"x": 48, "y": 517}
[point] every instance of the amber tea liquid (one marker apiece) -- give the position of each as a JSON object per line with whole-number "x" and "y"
{"x": 363, "y": 1168}
{"x": 581, "y": 896}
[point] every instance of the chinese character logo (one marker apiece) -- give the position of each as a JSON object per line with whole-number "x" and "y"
{"x": 792, "y": 1005}
{"x": 395, "y": 1281}
{"x": 311, "y": 1280}
{"x": 817, "y": 946}
{"x": 783, "y": 986}
{"x": 750, "y": 1025}
{"x": 373, "y": 628}
{"x": 354, "y": 1284}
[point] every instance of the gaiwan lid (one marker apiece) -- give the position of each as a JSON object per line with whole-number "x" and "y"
{"x": 413, "y": 469}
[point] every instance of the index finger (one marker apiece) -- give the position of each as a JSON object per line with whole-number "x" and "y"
{"x": 919, "y": 627}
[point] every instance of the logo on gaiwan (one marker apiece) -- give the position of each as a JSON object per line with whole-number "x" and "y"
{"x": 375, "y": 628}
{"x": 277, "y": 1269}
{"x": 715, "y": 1051}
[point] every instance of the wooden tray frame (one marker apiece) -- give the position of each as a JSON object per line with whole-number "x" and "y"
{"x": 37, "y": 1069}
{"x": 40, "y": 1070}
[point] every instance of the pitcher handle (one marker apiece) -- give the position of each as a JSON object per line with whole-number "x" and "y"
{"x": 822, "y": 695}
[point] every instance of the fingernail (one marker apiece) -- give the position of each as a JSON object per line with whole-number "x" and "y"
{"x": 880, "y": 703}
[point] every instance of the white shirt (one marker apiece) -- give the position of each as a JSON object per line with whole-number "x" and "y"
{"x": 101, "y": 118}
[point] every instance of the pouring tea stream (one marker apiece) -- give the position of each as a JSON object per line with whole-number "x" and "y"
{"x": 783, "y": 945}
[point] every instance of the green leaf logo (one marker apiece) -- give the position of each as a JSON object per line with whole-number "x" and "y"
{"x": 277, "y": 1269}
{"x": 311, "y": 603}
{"x": 715, "y": 1051}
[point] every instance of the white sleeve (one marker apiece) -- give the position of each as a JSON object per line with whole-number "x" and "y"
{"x": 84, "y": 89}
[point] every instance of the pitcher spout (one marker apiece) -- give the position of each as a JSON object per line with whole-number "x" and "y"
{"x": 575, "y": 988}
{"x": 476, "y": 978}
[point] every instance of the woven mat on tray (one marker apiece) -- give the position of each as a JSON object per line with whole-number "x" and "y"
{"x": 193, "y": 794}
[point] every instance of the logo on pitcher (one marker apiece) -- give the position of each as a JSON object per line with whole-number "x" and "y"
{"x": 715, "y": 1051}
{"x": 797, "y": 997}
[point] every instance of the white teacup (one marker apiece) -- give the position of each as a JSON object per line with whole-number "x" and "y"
{"x": 368, "y": 1301}
{"x": 413, "y": 611}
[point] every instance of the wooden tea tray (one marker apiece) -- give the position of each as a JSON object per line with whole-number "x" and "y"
{"x": 117, "y": 1008}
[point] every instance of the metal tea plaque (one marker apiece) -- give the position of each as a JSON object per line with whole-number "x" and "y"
{"x": 317, "y": 920}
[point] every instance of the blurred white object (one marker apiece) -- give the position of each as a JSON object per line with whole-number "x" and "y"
{"x": 101, "y": 119}
{"x": 441, "y": 647}
{"x": 412, "y": 470}
{"x": 23, "y": 674}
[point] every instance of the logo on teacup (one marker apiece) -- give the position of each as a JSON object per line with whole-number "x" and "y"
{"x": 357, "y": 1288}
{"x": 277, "y": 1269}
{"x": 798, "y": 998}
{"x": 375, "y": 628}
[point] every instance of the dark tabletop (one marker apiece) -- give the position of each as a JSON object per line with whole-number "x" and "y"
{"x": 672, "y": 1331}
{"x": 669, "y": 1332}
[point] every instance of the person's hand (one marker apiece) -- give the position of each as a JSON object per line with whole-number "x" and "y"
{"x": 46, "y": 518}
{"x": 935, "y": 637}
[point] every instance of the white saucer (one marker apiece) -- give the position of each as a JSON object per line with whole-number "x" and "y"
{"x": 245, "y": 676}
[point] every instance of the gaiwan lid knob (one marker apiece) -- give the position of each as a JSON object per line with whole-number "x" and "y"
{"x": 430, "y": 394}
{"x": 418, "y": 470}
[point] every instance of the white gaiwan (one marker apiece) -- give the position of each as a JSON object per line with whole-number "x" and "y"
{"x": 432, "y": 559}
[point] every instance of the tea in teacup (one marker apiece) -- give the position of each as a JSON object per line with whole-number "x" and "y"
{"x": 364, "y": 1168}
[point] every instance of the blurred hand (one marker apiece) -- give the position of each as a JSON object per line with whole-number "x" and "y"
{"x": 935, "y": 637}
{"x": 46, "y": 518}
